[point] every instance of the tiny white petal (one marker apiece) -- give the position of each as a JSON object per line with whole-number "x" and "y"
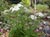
{"x": 44, "y": 22}
{"x": 0, "y": 22}
{"x": 11, "y": 8}
{"x": 33, "y": 17}
{"x": 40, "y": 27}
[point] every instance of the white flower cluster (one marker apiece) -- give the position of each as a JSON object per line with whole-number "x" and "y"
{"x": 16, "y": 7}
{"x": 13, "y": 8}
{"x": 33, "y": 17}
{"x": 40, "y": 14}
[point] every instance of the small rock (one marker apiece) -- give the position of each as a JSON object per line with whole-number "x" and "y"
{"x": 48, "y": 17}
{"x": 40, "y": 14}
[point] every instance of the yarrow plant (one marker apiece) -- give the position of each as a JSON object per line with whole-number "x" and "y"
{"x": 22, "y": 24}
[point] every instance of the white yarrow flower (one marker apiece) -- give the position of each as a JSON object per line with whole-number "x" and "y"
{"x": 33, "y": 17}
{"x": 16, "y": 7}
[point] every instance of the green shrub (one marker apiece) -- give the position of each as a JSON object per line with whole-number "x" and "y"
{"x": 41, "y": 7}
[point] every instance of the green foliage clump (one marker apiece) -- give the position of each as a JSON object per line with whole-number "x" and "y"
{"x": 3, "y": 5}
{"x": 21, "y": 24}
{"x": 41, "y": 7}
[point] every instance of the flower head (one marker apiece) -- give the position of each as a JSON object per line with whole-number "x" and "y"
{"x": 16, "y": 7}
{"x": 33, "y": 17}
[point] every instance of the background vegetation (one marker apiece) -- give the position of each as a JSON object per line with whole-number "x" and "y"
{"x": 19, "y": 22}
